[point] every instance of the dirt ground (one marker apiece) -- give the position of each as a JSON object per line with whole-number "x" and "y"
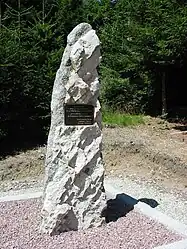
{"x": 155, "y": 152}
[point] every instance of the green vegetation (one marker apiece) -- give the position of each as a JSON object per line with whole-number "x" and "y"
{"x": 143, "y": 43}
{"x": 121, "y": 119}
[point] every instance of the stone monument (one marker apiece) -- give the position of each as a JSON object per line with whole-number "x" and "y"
{"x": 74, "y": 195}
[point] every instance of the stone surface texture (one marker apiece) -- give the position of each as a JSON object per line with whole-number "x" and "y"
{"x": 74, "y": 194}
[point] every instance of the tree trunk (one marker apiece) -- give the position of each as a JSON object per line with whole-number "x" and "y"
{"x": 43, "y": 11}
{"x": 164, "y": 103}
{"x": 19, "y": 19}
{"x": 0, "y": 16}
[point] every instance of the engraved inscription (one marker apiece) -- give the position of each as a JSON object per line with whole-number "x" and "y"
{"x": 79, "y": 114}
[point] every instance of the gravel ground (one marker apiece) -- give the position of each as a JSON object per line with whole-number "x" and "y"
{"x": 144, "y": 162}
{"x": 171, "y": 202}
{"x": 17, "y": 187}
{"x": 19, "y": 223}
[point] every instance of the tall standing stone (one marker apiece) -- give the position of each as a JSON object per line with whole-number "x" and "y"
{"x": 74, "y": 194}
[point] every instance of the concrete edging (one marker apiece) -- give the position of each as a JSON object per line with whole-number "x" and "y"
{"x": 182, "y": 244}
{"x": 20, "y": 197}
{"x": 156, "y": 215}
{"x": 162, "y": 218}
{"x": 152, "y": 213}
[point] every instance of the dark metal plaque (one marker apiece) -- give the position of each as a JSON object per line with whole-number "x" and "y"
{"x": 79, "y": 114}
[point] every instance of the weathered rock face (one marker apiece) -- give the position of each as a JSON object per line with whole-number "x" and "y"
{"x": 74, "y": 194}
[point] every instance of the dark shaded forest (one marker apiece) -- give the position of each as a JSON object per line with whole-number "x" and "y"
{"x": 144, "y": 50}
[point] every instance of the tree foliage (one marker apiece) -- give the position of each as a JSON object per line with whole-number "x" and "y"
{"x": 140, "y": 41}
{"x": 31, "y": 48}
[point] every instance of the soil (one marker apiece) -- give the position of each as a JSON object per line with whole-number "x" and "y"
{"x": 155, "y": 152}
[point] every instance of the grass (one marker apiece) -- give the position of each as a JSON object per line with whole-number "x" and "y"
{"x": 121, "y": 119}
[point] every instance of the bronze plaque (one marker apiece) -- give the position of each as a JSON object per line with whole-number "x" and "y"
{"x": 79, "y": 114}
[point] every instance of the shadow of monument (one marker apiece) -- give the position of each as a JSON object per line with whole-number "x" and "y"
{"x": 121, "y": 205}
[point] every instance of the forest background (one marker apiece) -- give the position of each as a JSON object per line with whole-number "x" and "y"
{"x": 143, "y": 70}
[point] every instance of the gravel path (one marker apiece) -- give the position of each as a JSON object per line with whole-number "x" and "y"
{"x": 172, "y": 203}
{"x": 19, "y": 223}
{"x": 21, "y": 184}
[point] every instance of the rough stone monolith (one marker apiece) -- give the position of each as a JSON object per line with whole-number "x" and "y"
{"x": 74, "y": 194}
